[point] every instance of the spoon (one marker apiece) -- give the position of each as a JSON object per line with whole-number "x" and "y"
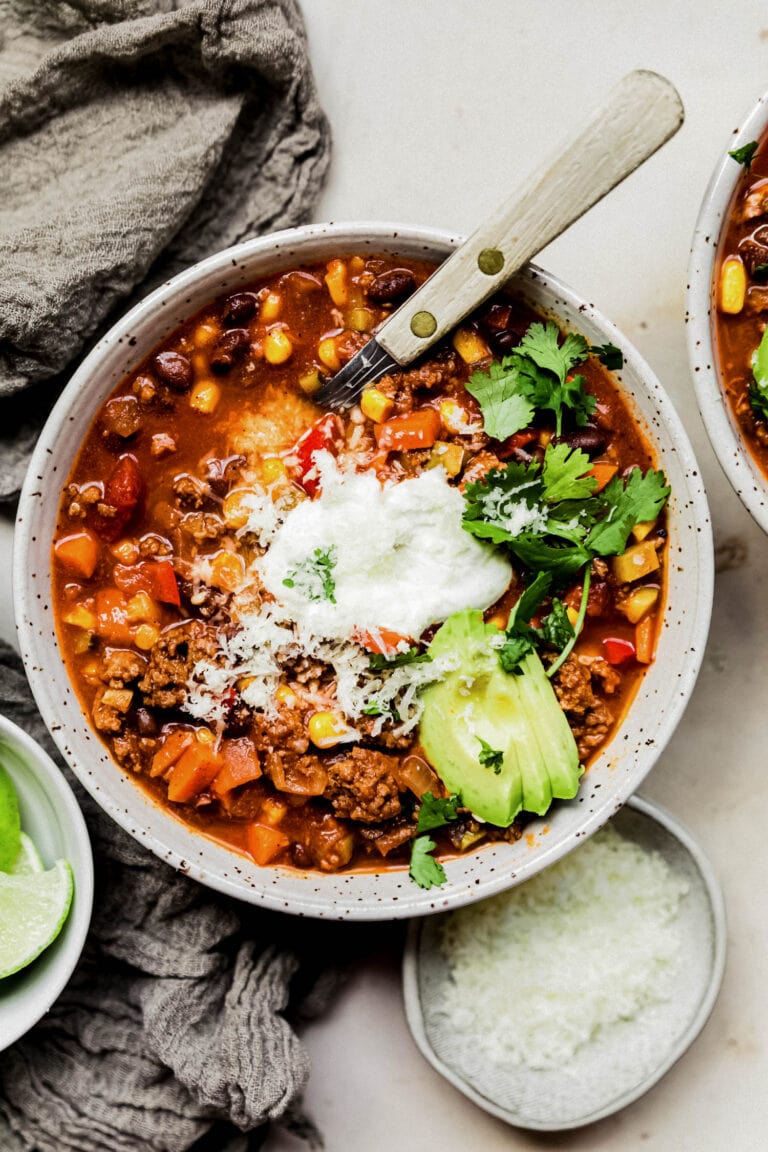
{"x": 639, "y": 115}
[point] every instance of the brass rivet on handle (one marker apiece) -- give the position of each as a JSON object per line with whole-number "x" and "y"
{"x": 490, "y": 261}
{"x": 423, "y": 324}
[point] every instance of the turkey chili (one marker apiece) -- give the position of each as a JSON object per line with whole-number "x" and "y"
{"x": 370, "y": 638}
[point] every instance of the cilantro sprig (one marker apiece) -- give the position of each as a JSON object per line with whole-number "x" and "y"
{"x": 434, "y": 812}
{"x": 536, "y": 376}
{"x": 313, "y": 577}
{"x": 490, "y": 757}
{"x": 746, "y": 154}
{"x": 378, "y": 661}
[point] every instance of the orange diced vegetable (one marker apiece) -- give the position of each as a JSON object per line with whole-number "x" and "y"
{"x": 417, "y": 429}
{"x": 382, "y": 641}
{"x": 603, "y": 472}
{"x": 112, "y": 622}
{"x": 170, "y": 750}
{"x": 644, "y": 637}
{"x": 79, "y": 553}
{"x": 241, "y": 766}
{"x": 264, "y": 842}
{"x": 195, "y": 769}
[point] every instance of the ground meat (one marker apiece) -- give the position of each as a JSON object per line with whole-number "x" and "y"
{"x": 190, "y": 492}
{"x": 589, "y": 717}
{"x": 362, "y": 786}
{"x": 302, "y": 775}
{"x": 202, "y": 526}
{"x": 154, "y": 545}
{"x": 171, "y": 661}
{"x": 607, "y": 675}
{"x": 133, "y": 750}
{"x": 121, "y": 665}
{"x": 402, "y": 386}
{"x": 106, "y": 717}
{"x": 387, "y": 738}
{"x": 285, "y": 730}
{"x": 390, "y": 836}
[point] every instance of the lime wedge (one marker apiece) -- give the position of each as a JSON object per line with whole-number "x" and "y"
{"x": 9, "y": 822}
{"x": 33, "y": 908}
{"x": 28, "y": 859}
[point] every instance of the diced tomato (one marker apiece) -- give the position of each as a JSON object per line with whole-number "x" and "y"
{"x": 322, "y": 436}
{"x": 241, "y": 765}
{"x": 197, "y": 766}
{"x": 123, "y": 491}
{"x": 264, "y": 842}
{"x": 155, "y": 577}
{"x": 79, "y": 553}
{"x": 383, "y": 641}
{"x": 518, "y": 440}
{"x": 618, "y": 651}
{"x": 112, "y": 622}
{"x": 417, "y": 429}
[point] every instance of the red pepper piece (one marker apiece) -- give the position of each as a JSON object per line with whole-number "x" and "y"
{"x": 322, "y": 436}
{"x": 519, "y": 440}
{"x": 617, "y": 650}
{"x": 155, "y": 577}
{"x": 123, "y": 491}
{"x": 417, "y": 429}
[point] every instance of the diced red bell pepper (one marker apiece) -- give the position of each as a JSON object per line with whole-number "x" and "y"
{"x": 123, "y": 490}
{"x": 322, "y": 436}
{"x": 383, "y": 641}
{"x": 519, "y": 440}
{"x": 618, "y": 651}
{"x": 419, "y": 429}
{"x": 155, "y": 577}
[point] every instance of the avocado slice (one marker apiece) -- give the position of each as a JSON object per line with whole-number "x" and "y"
{"x": 515, "y": 713}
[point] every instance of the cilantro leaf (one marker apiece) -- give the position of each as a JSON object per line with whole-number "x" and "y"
{"x": 565, "y": 474}
{"x": 313, "y": 577}
{"x": 610, "y": 355}
{"x": 641, "y": 498}
{"x": 758, "y": 399}
{"x": 514, "y": 650}
{"x": 490, "y": 757}
{"x": 541, "y": 343}
{"x": 435, "y": 811}
{"x": 562, "y": 560}
{"x": 506, "y": 500}
{"x": 519, "y": 636}
{"x": 378, "y": 661}
{"x": 530, "y": 601}
{"x": 746, "y": 154}
{"x": 556, "y": 629}
{"x": 758, "y": 389}
{"x": 505, "y": 407}
{"x": 424, "y": 869}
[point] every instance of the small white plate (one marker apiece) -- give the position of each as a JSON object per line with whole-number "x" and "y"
{"x": 50, "y": 815}
{"x": 581, "y": 1092}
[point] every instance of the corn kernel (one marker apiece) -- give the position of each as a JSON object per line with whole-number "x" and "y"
{"x": 733, "y": 285}
{"x": 360, "y": 319}
{"x": 205, "y": 736}
{"x": 499, "y": 620}
{"x": 271, "y": 306}
{"x": 327, "y": 728}
{"x": 310, "y": 382}
{"x": 326, "y": 351}
{"x": 572, "y": 615}
{"x": 81, "y": 617}
{"x": 470, "y": 345}
{"x": 336, "y": 279}
{"x": 286, "y": 696}
{"x": 146, "y": 636}
{"x": 205, "y": 396}
{"x": 227, "y": 571}
{"x": 206, "y": 333}
{"x": 272, "y": 810}
{"x": 545, "y": 435}
{"x": 141, "y": 608}
{"x": 126, "y": 551}
{"x": 236, "y": 507}
{"x": 376, "y": 405}
{"x": 277, "y": 346}
{"x": 273, "y": 470}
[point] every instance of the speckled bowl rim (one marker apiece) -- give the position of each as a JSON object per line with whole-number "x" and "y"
{"x": 748, "y": 482}
{"x": 50, "y": 977}
{"x": 384, "y": 895}
{"x": 415, "y": 1016}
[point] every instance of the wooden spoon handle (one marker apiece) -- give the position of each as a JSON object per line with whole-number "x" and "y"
{"x": 639, "y": 115}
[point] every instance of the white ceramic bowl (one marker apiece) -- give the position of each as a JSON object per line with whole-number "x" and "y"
{"x": 50, "y": 815}
{"x": 749, "y": 483}
{"x": 622, "y": 764}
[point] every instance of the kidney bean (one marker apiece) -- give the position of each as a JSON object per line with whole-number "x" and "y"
{"x": 238, "y": 309}
{"x": 230, "y": 348}
{"x": 502, "y": 343}
{"x": 122, "y": 416}
{"x": 392, "y": 287}
{"x": 589, "y": 439}
{"x": 174, "y": 370}
{"x": 146, "y": 722}
{"x": 498, "y": 318}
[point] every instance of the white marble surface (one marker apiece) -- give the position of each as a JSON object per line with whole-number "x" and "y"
{"x": 437, "y": 107}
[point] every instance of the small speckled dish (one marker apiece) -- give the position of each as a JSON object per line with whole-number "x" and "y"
{"x": 749, "y": 483}
{"x": 582, "y": 1092}
{"x": 50, "y": 815}
{"x": 366, "y": 895}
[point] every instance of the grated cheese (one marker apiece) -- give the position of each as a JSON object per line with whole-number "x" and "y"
{"x": 537, "y": 972}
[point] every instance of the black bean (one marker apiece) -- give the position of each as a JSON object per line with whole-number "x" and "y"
{"x": 238, "y": 309}
{"x": 230, "y": 348}
{"x": 174, "y": 370}
{"x": 392, "y": 287}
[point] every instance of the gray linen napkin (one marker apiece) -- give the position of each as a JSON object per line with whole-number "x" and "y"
{"x": 175, "y": 1019}
{"x": 136, "y": 137}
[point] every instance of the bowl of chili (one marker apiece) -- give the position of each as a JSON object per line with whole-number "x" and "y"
{"x": 188, "y": 634}
{"x": 727, "y": 308}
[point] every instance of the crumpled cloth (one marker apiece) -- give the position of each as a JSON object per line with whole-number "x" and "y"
{"x": 136, "y": 137}
{"x": 174, "y": 1026}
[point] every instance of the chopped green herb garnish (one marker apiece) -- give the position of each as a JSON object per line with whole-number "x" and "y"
{"x": 610, "y": 355}
{"x": 556, "y": 629}
{"x": 374, "y": 708}
{"x": 490, "y": 757}
{"x": 314, "y": 576}
{"x": 641, "y": 497}
{"x": 379, "y": 661}
{"x": 746, "y": 154}
{"x": 502, "y": 397}
{"x": 758, "y": 389}
{"x": 435, "y": 811}
{"x": 424, "y": 869}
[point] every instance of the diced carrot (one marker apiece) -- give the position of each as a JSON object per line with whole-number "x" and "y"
{"x": 264, "y": 842}
{"x": 603, "y": 472}
{"x": 193, "y": 771}
{"x": 241, "y": 765}
{"x": 79, "y": 553}
{"x": 112, "y": 622}
{"x": 382, "y": 641}
{"x": 644, "y": 637}
{"x": 171, "y": 749}
{"x": 417, "y": 429}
